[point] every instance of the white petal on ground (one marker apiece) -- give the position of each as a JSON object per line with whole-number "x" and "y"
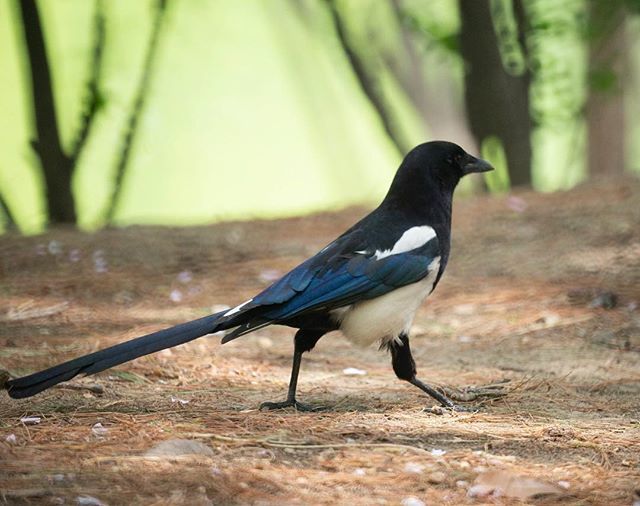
{"x": 352, "y": 371}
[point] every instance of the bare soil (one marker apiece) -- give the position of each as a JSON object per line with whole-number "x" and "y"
{"x": 526, "y": 298}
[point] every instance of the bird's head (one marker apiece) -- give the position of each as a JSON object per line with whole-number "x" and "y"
{"x": 445, "y": 161}
{"x": 434, "y": 165}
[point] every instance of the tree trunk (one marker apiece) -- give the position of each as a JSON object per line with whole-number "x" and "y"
{"x": 4, "y": 209}
{"x": 367, "y": 84}
{"x": 136, "y": 111}
{"x": 497, "y": 101}
{"x": 56, "y": 165}
{"x": 605, "y": 104}
{"x": 438, "y": 104}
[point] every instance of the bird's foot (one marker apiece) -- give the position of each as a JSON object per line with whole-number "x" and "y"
{"x": 477, "y": 393}
{"x": 468, "y": 394}
{"x": 289, "y": 403}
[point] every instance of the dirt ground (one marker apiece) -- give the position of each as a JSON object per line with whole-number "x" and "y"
{"x": 526, "y": 298}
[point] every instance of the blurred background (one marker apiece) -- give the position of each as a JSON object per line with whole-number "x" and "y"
{"x": 180, "y": 112}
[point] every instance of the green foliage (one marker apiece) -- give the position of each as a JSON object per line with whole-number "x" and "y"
{"x": 498, "y": 179}
{"x": 507, "y": 31}
{"x": 436, "y": 23}
{"x": 557, "y": 59}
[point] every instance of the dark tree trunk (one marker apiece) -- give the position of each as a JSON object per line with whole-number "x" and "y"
{"x": 136, "y": 111}
{"x": 56, "y": 165}
{"x": 497, "y": 101}
{"x": 605, "y": 104}
{"x": 442, "y": 113}
{"x": 4, "y": 209}
{"x": 368, "y": 85}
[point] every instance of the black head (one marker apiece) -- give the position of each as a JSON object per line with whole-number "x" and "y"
{"x": 443, "y": 162}
{"x": 432, "y": 167}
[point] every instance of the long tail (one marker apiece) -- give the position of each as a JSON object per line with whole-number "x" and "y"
{"x": 27, "y": 386}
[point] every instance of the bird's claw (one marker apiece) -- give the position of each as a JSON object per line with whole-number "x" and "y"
{"x": 298, "y": 406}
{"x": 477, "y": 393}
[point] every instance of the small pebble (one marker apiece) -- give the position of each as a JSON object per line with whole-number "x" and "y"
{"x": 175, "y": 296}
{"x": 437, "y": 452}
{"x": 185, "y": 277}
{"x": 517, "y": 204}
{"x": 11, "y": 439}
{"x": 435, "y": 410}
{"x": 182, "y": 402}
{"x": 54, "y": 248}
{"x": 412, "y": 501}
{"x": 87, "y": 500}
{"x": 99, "y": 430}
{"x": 264, "y": 342}
{"x": 270, "y": 275}
{"x": 412, "y": 467}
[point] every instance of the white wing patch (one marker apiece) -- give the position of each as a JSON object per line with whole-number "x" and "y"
{"x": 413, "y": 238}
{"x": 236, "y": 309}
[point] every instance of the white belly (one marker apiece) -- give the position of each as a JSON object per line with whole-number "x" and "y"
{"x": 385, "y": 318}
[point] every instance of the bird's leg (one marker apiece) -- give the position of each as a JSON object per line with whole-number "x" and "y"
{"x": 405, "y": 368}
{"x": 304, "y": 340}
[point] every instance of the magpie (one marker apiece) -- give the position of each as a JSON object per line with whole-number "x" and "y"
{"x": 368, "y": 283}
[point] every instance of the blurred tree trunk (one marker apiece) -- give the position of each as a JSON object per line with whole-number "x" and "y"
{"x": 4, "y": 209}
{"x": 608, "y": 53}
{"x": 136, "y": 111}
{"x": 56, "y": 165}
{"x": 497, "y": 101}
{"x": 367, "y": 83}
{"x": 442, "y": 113}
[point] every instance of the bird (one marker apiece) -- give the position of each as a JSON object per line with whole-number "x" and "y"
{"x": 368, "y": 283}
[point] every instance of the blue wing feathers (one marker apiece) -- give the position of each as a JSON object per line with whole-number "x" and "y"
{"x": 341, "y": 274}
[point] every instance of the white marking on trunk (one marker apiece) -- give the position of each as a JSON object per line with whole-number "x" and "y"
{"x": 237, "y": 308}
{"x": 386, "y": 317}
{"x": 412, "y": 238}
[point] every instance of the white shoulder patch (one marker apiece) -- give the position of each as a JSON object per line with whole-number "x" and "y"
{"x": 236, "y": 309}
{"x": 413, "y": 238}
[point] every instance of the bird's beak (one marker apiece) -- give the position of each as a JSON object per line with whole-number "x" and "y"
{"x": 473, "y": 164}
